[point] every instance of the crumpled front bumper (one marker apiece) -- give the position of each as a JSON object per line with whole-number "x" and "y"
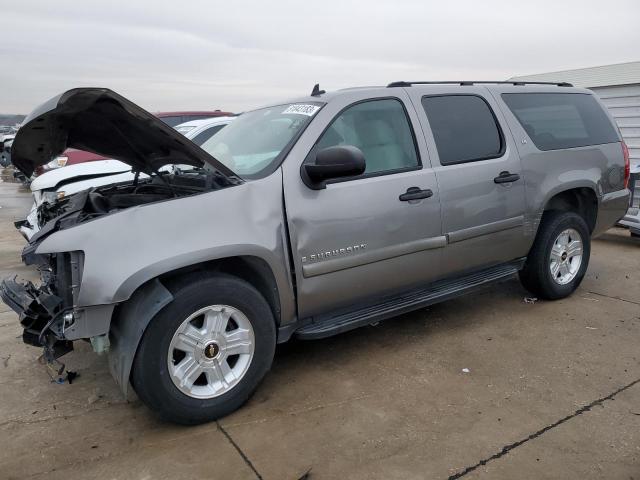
{"x": 37, "y": 309}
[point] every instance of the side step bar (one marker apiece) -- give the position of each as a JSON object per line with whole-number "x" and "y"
{"x": 345, "y": 320}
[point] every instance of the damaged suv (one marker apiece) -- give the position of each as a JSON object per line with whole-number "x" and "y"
{"x": 306, "y": 218}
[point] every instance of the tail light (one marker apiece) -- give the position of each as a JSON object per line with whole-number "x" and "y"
{"x": 627, "y": 164}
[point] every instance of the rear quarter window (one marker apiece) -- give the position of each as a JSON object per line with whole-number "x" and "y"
{"x": 556, "y": 121}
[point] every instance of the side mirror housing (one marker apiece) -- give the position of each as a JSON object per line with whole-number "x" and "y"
{"x": 335, "y": 162}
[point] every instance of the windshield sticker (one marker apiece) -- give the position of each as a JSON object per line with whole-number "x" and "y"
{"x": 307, "y": 110}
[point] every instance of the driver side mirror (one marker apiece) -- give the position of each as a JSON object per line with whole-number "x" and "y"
{"x": 335, "y": 162}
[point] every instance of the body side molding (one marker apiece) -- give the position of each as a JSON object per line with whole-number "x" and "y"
{"x": 487, "y": 228}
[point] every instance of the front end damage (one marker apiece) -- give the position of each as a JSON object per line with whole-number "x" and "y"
{"x": 75, "y": 299}
{"x": 46, "y": 311}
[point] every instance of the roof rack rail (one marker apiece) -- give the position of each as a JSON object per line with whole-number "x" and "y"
{"x": 474, "y": 82}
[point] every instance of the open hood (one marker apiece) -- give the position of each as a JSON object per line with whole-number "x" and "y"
{"x": 101, "y": 121}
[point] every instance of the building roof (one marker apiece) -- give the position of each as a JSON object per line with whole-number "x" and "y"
{"x": 602, "y": 76}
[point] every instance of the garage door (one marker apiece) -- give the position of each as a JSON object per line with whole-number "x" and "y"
{"x": 624, "y": 104}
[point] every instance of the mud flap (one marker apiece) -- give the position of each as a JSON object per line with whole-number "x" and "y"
{"x": 129, "y": 325}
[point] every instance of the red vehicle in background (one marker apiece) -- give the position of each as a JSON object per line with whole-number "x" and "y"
{"x": 72, "y": 156}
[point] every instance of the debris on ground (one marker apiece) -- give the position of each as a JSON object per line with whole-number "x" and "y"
{"x": 465, "y": 370}
{"x": 530, "y": 299}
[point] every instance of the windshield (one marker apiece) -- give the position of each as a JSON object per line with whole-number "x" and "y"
{"x": 255, "y": 141}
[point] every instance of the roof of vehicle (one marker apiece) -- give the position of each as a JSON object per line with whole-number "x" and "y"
{"x": 454, "y": 85}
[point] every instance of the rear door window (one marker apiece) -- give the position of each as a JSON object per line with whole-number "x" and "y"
{"x": 561, "y": 120}
{"x": 464, "y": 128}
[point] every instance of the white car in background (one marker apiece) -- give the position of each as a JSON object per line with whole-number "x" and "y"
{"x": 62, "y": 182}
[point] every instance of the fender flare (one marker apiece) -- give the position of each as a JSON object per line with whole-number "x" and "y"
{"x": 129, "y": 325}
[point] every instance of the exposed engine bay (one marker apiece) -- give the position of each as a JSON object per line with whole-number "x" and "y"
{"x": 100, "y": 201}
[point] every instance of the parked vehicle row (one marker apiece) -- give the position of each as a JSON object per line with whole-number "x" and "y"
{"x": 5, "y": 143}
{"x": 5, "y": 153}
{"x": 305, "y": 218}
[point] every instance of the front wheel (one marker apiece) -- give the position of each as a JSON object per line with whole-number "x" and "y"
{"x": 559, "y": 257}
{"x": 205, "y": 353}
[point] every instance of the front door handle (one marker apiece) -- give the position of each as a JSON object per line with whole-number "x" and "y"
{"x": 415, "y": 193}
{"x": 506, "y": 177}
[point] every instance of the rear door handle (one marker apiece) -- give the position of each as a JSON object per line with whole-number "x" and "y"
{"x": 506, "y": 177}
{"x": 415, "y": 193}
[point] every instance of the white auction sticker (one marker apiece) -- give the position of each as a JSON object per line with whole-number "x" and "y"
{"x": 300, "y": 109}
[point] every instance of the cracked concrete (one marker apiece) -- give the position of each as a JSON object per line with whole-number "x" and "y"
{"x": 508, "y": 448}
{"x": 388, "y": 402}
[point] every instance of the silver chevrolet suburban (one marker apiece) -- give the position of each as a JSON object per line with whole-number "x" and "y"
{"x": 306, "y": 218}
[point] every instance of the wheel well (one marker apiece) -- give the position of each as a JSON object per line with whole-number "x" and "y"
{"x": 582, "y": 201}
{"x": 251, "y": 269}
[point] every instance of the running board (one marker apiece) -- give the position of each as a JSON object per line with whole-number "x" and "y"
{"x": 345, "y": 320}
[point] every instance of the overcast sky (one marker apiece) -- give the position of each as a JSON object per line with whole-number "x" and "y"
{"x": 238, "y": 55}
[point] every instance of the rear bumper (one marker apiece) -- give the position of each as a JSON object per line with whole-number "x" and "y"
{"x": 611, "y": 209}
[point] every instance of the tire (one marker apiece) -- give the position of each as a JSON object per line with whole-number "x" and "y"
{"x": 635, "y": 235}
{"x": 160, "y": 380}
{"x": 537, "y": 276}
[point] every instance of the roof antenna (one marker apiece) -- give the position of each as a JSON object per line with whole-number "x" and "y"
{"x": 316, "y": 92}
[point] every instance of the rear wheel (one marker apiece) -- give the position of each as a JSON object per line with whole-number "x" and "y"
{"x": 205, "y": 353}
{"x": 559, "y": 257}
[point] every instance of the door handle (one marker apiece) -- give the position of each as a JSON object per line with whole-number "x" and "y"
{"x": 415, "y": 193}
{"x": 506, "y": 177}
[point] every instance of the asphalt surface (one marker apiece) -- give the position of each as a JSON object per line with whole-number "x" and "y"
{"x": 484, "y": 386}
